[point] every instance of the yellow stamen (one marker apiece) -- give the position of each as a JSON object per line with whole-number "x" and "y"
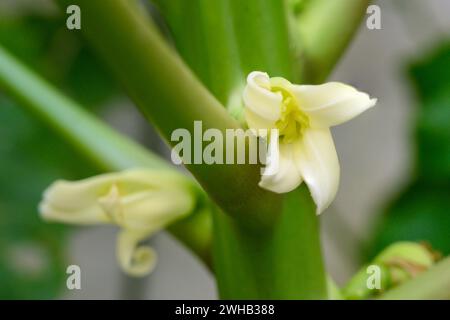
{"x": 292, "y": 120}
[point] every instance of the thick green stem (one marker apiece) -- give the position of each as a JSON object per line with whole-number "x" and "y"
{"x": 208, "y": 46}
{"x": 432, "y": 284}
{"x": 282, "y": 263}
{"x": 325, "y": 28}
{"x": 106, "y": 148}
{"x": 261, "y": 32}
{"x": 171, "y": 97}
{"x": 227, "y": 40}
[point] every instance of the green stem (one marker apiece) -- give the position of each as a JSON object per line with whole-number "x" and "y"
{"x": 283, "y": 263}
{"x": 106, "y": 148}
{"x": 171, "y": 97}
{"x": 87, "y": 133}
{"x": 223, "y": 43}
{"x": 208, "y": 46}
{"x": 325, "y": 28}
{"x": 227, "y": 40}
{"x": 261, "y": 32}
{"x": 432, "y": 284}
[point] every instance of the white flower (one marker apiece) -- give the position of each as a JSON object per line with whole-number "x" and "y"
{"x": 303, "y": 115}
{"x": 140, "y": 201}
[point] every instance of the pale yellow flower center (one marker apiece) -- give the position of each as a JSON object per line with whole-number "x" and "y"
{"x": 112, "y": 206}
{"x": 292, "y": 120}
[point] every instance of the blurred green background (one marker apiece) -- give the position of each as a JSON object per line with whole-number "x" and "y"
{"x": 34, "y": 254}
{"x": 421, "y": 211}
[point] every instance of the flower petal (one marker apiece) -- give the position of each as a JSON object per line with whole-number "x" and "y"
{"x": 85, "y": 216}
{"x": 100, "y": 199}
{"x": 285, "y": 177}
{"x": 260, "y": 124}
{"x": 154, "y": 210}
{"x": 331, "y": 103}
{"x": 318, "y": 164}
{"x": 259, "y": 99}
{"x": 71, "y": 202}
{"x": 135, "y": 260}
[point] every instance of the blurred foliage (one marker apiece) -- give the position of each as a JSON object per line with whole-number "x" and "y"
{"x": 422, "y": 210}
{"x": 431, "y": 78}
{"x": 298, "y": 6}
{"x": 45, "y": 44}
{"x": 32, "y": 257}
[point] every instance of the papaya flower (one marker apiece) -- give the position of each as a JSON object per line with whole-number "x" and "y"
{"x": 303, "y": 115}
{"x": 139, "y": 201}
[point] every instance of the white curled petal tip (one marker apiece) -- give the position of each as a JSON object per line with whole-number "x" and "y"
{"x": 281, "y": 175}
{"x": 259, "y": 99}
{"x": 317, "y": 161}
{"x": 331, "y": 103}
{"x": 135, "y": 260}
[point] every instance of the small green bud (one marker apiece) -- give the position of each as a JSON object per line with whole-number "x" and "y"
{"x": 396, "y": 264}
{"x": 405, "y": 260}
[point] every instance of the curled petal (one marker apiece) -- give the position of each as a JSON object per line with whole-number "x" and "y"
{"x": 134, "y": 259}
{"x": 261, "y": 125}
{"x": 316, "y": 159}
{"x": 284, "y": 175}
{"x": 259, "y": 99}
{"x": 331, "y": 103}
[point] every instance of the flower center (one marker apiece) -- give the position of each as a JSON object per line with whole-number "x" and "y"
{"x": 112, "y": 206}
{"x": 292, "y": 120}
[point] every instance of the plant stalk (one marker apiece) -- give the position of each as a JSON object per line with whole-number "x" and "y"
{"x": 325, "y": 29}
